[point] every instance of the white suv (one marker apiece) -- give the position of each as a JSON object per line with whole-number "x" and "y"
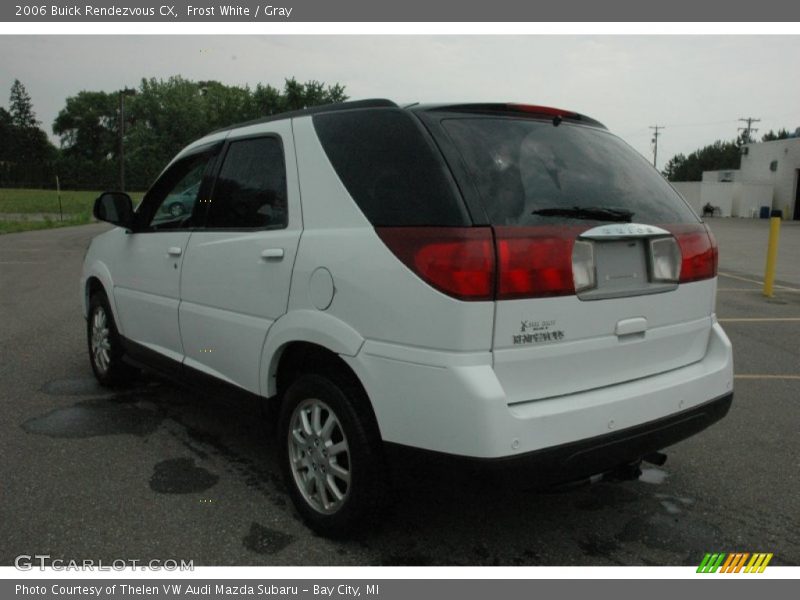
{"x": 507, "y": 286}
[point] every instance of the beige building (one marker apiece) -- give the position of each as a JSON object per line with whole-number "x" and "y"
{"x": 765, "y": 165}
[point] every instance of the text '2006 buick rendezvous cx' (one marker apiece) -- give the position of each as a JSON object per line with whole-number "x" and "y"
{"x": 508, "y": 286}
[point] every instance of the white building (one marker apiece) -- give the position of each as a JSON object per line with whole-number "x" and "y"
{"x": 768, "y": 176}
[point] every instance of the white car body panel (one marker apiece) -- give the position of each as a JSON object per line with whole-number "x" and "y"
{"x": 146, "y": 288}
{"x": 455, "y": 403}
{"x": 366, "y": 274}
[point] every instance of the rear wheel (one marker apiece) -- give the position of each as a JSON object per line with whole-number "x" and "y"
{"x": 330, "y": 453}
{"x": 105, "y": 347}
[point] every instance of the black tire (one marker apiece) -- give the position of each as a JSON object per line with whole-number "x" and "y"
{"x": 109, "y": 369}
{"x": 355, "y": 424}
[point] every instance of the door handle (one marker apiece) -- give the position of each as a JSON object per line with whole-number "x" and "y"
{"x": 274, "y": 253}
{"x": 174, "y": 251}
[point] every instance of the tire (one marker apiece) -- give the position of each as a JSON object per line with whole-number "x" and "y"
{"x": 330, "y": 454}
{"x": 105, "y": 346}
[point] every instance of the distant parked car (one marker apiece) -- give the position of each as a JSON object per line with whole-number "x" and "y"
{"x": 180, "y": 203}
{"x": 506, "y": 286}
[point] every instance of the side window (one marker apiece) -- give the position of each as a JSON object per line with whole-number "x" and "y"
{"x": 172, "y": 200}
{"x": 390, "y": 168}
{"x": 250, "y": 191}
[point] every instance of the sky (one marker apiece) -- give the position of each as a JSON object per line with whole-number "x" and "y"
{"x": 697, "y": 87}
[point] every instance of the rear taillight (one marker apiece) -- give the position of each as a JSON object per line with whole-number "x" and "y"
{"x": 534, "y": 262}
{"x": 698, "y": 252}
{"x": 458, "y": 261}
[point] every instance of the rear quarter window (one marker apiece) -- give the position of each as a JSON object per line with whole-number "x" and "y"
{"x": 391, "y": 168}
{"x": 522, "y": 165}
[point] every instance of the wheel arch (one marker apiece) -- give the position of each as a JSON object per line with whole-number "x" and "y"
{"x": 306, "y": 338}
{"x": 98, "y": 278}
{"x": 314, "y": 329}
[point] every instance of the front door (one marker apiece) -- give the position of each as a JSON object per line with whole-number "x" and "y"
{"x": 147, "y": 275}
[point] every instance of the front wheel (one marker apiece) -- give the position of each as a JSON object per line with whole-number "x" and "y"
{"x": 330, "y": 454}
{"x": 105, "y": 347}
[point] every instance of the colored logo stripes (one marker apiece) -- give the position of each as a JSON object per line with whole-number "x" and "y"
{"x": 735, "y": 562}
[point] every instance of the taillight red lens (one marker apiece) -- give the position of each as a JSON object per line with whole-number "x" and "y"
{"x": 698, "y": 252}
{"x": 458, "y": 261}
{"x": 535, "y": 261}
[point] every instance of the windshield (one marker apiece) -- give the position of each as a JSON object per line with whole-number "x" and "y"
{"x": 531, "y": 172}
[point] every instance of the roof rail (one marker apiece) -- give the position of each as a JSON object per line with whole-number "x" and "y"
{"x": 314, "y": 110}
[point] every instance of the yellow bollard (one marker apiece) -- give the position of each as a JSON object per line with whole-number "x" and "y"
{"x": 772, "y": 252}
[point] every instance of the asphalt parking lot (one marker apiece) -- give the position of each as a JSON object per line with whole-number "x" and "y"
{"x": 158, "y": 472}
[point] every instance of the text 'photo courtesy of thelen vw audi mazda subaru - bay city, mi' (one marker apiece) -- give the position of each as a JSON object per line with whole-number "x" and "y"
{"x": 506, "y": 287}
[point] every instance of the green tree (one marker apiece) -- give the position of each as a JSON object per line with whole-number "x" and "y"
{"x": 26, "y": 154}
{"x": 87, "y": 125}
{"x": 717, "y": 156}
{"x": 6, "y": 133}
{"x": 21, "y": 107}
{"x": 162, "y": 117}
{"x": 770, "y": 136}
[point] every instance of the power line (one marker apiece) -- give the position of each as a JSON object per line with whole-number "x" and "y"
{"x": 656, "y": 133}
{"x": 749, "y": 120}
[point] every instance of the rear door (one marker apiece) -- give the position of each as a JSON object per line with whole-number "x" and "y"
{"x": 605, "y": 275}
{"x": 238, "y": 267}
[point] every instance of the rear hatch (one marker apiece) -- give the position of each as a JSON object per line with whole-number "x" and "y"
{"x": 603, "y": 272}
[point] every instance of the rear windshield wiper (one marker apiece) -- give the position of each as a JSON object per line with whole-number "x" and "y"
{"x": 587, "y": 212}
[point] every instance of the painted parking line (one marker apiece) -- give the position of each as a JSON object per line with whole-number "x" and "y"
{"x": 756, "y": 281}
{"x": 753, "y": 376}
{"x": 753, "y": 289}
{"x": 761, "y": 320}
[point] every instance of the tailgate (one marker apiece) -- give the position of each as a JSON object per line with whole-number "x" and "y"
{"x": 627, "y": 324}
{"x": 554, "y": 346}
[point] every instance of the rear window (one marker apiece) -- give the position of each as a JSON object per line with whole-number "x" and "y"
{"x": 522, "y": 166}
{"x": 390, "y": 168}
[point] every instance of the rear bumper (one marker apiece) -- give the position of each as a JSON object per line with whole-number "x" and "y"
{"x": 455, "y": 404}
{"x": 575, "y": 460}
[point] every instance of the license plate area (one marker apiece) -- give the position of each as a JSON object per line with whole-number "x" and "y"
{"x": 622, "y": 269}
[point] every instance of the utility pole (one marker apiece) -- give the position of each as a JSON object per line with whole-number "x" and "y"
{"x": 656, "y": 129}
{"x": 748, "y": 129}
{"x": 121, "y": 127}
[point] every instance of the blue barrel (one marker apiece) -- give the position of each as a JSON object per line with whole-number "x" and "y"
{"x": 764, "y": 213}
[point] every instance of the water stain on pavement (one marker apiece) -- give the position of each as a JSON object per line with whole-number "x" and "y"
{"x": 670, "y": 531}
{"x": 88, "y": 386}
{"x": 181, "y": 476}
{"x": 79, "y": 386}
{"x": 92, "y": 418}
{"x": 263, "y": 540}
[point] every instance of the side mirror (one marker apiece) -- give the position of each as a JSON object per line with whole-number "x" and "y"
{"x": 115, "y": 208}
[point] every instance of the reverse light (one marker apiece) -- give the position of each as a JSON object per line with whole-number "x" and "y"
{"x": 584, "y": 272}
{"x": 665, "y": 260}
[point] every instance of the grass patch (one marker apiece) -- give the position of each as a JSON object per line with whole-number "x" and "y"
{"x": 18, "y": 226}
{"x": 46, "y": 201}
